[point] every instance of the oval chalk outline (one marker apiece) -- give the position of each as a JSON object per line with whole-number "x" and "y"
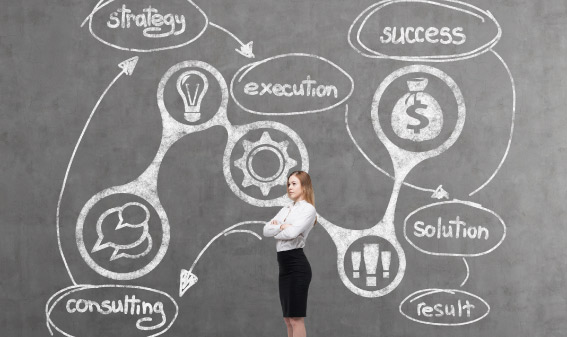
{"x": 148, "y": 50}
{"x": 450, "y": 291}
{"x": 245, "y": 69}
{"x": 426, "y": 58}
{"x": 456, "y": 201}
{"x": 57, "y": 297}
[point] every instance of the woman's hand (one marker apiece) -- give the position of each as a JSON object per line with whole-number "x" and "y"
{"x": 275, "y": 222}
{"x": 284, "y": 226}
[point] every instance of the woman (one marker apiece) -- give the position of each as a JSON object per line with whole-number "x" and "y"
{"x": 290, "y": 227}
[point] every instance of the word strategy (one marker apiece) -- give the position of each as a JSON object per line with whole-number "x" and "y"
{"x": 150, "y": 20}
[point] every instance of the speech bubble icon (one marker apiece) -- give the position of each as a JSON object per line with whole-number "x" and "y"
{"x": 124, "y": 225}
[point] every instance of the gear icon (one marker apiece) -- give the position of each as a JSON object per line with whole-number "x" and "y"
{"x": 251, "y": 149}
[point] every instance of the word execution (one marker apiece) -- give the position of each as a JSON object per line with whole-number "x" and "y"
{"x": 150, "y": 20}
{"x": 307, "y": 87}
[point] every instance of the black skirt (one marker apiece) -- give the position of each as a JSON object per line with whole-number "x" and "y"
{"x": 294, "y": 279}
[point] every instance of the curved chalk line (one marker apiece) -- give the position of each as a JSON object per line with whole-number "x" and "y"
{"x": 224, "y": 232}
{"x": 69, "y": 168}
{"x": 98, "y": 6}
{"x": 493, "y": 173}
{"x": 511, "y": 126}
{"x": 468, "y": 272}
{"x": 243, "y": 231}
{"x": 373, "y": 164}
{"x": 227, "y": 32}
{"x": 433, "y": 291}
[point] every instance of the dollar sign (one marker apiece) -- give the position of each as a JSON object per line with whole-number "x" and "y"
{"x": 411, "y": 111}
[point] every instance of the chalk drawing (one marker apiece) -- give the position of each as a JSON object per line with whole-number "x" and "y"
{"x": 449, "y": 307}
{"x": 187, "y": 278}
{"x": 137, "y": 188}
{"x": 371, "y": 252}
{"x": 139, "y": 327}
{"x": 286, "y": 163}
{"x": 190, "y": 39}
{"x": 265, "y": 143}
{"x": 468, "y": 272}
{"x": 356, "y": 256}
{"x": 101, "y": 243}
{"x": 145, "y": 186}
{"x": 344, "y": 238}
{"x": 192, "y": 96}
{"x": 127, "y": 67}
{"x": 511, "y": 124}
{"x": 245, "y": 49}
{"x": 457, "y": 229}
{"x": 403, "y": 161}
{"x": 458, "y": 6}
{"x": 152, "y": 31}
{"x": 439, "y": 192}
{"x": 306, "y": 86}
{"x": 416, "y": 117}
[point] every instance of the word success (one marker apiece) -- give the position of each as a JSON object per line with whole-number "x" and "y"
{"x": 150, "y": 20}
{"x": 402, "y": 35}
{"x": 307, "y": 87}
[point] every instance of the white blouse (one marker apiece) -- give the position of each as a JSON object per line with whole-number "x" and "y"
{"x": 301, "y": 215}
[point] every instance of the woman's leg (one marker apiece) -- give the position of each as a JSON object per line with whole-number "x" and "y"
{"x": 289, "y": 327}
{"x": 298, "y": 325}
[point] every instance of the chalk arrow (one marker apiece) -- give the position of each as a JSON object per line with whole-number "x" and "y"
{"x": 245, "y": 49}
{"x": 440, "y": 193}
{"x": 187, "y": 278}
{"x": 127, "y": 67}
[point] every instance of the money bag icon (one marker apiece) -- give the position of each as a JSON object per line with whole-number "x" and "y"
{"x": 417, "y": 116}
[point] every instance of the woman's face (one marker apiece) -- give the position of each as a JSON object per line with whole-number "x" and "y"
{"x": 294, "y": 188}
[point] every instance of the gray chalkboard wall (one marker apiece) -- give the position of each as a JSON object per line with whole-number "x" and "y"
{"x": 145, "y": 143}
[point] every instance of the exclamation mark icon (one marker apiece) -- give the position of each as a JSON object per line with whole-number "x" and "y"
{"x": 386, "y": 258}
{"x": 355, "y": 256}
{"x": 371, "y": 252}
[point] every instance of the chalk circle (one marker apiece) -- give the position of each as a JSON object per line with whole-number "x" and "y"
{"x": 259, "y": 149}
{"x": 383, "y": 285}
{"x": 286, "y": 163}
{"x": 205, "y": 106}
{"x": 137, "y": 265}
{"x": 398, "y": 153}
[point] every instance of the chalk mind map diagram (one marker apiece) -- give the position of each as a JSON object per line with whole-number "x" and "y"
{"x": 131, "y": 227}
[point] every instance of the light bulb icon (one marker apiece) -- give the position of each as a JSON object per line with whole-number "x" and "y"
{"x": 192, "y": 89}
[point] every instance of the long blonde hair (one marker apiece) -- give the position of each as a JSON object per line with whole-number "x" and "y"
{"x": 306, "y": 186}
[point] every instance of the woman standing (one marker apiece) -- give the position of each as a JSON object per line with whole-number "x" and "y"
{"x": 290, "y": 227}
